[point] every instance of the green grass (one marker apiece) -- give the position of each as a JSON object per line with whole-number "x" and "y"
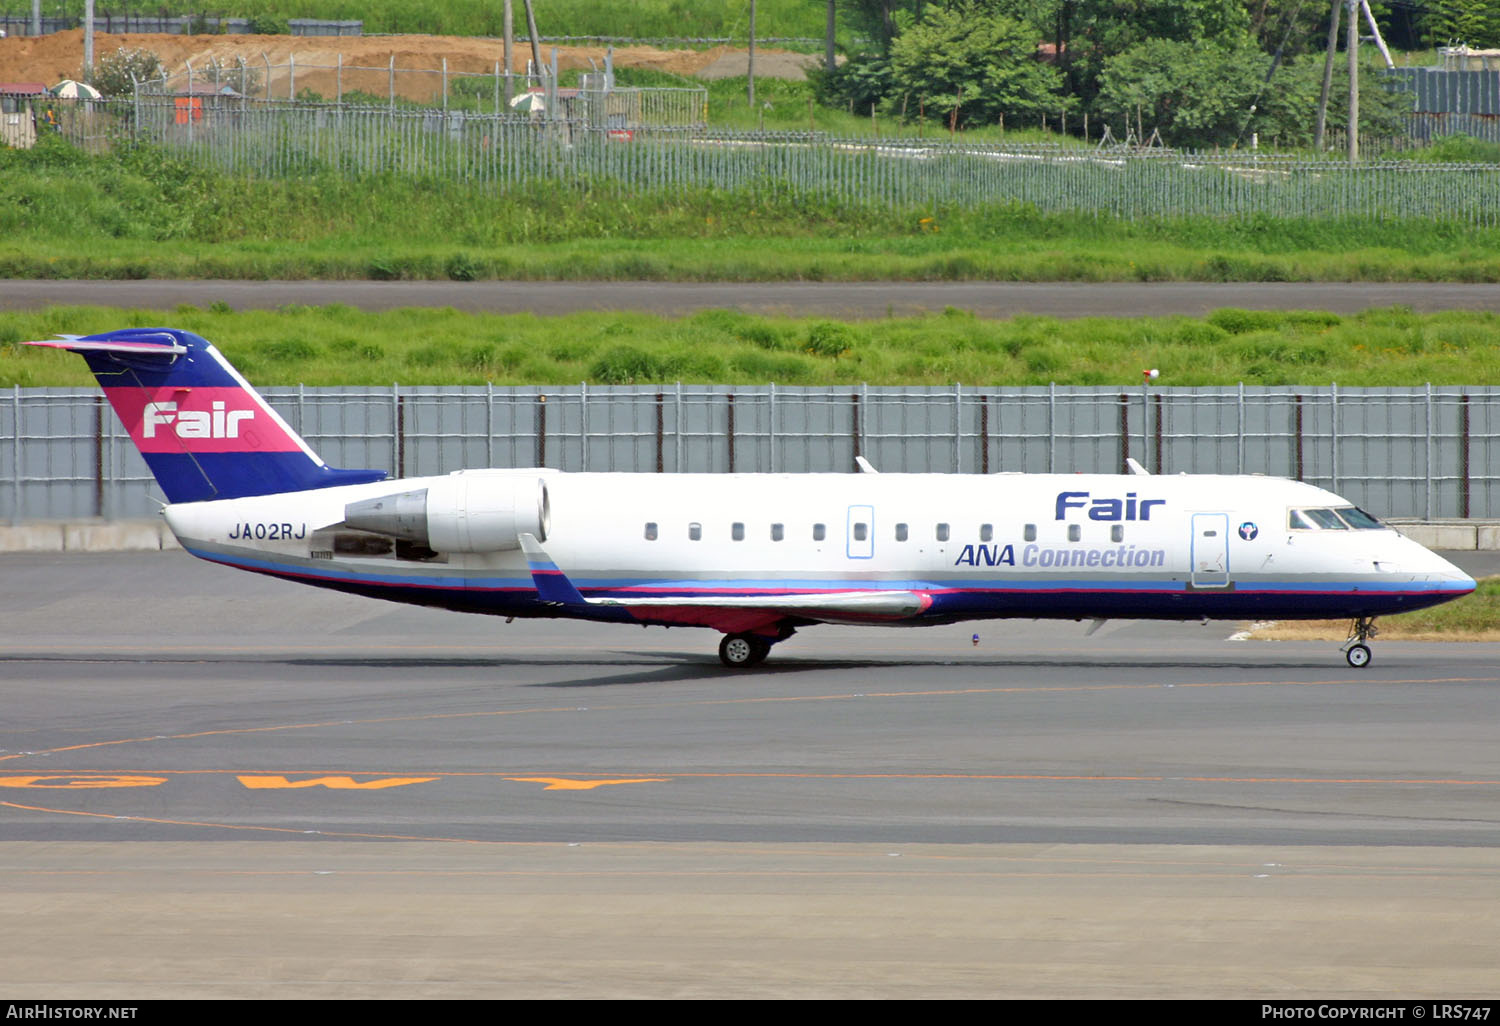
{"x": 336, "y": 345}
{"x": 142, "y": 213}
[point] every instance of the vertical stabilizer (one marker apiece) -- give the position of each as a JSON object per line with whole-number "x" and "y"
{"x": 203, "y": 431}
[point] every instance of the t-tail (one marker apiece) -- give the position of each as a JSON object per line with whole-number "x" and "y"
{"x": 203, "y": 431}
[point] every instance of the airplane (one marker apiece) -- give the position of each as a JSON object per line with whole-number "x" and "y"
{"x": 754, "y": 556}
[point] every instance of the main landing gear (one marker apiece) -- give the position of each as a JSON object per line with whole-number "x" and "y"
{"x": 738, "y": 651}
{"x": 1355, "y": 650}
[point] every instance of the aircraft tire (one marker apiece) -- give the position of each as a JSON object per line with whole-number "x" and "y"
{"x": 1358, "y": 656}
{"x": 739, "y": 651}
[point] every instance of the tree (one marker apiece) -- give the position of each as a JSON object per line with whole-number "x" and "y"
{"x": 1202, "y": 95}
{"x": 1475, "y": 22}
{"x": 1194, "y": 94}
{"x": 962, "y": 59}
{"x": 112, "y": 75}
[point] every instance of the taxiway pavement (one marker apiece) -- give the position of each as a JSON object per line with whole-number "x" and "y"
{"x": 214, "y": 784}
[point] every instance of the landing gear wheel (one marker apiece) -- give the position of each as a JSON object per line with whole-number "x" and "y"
{"x": 1355, "y": 649}
{"x": 738, "y": 651}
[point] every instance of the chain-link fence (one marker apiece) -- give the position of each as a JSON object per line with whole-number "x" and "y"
{"x": 653, "y": 139}
{"x": 1427, "y": 452}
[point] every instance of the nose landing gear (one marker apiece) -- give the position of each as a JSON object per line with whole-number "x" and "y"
{"x": 1356, "y": 651}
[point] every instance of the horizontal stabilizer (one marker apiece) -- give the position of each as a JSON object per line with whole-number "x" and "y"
{"x": 165, "y": 350}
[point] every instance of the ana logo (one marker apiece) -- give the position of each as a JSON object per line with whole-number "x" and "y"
{"x": 1248, "y": 531}
{"x": 216, "y": 423}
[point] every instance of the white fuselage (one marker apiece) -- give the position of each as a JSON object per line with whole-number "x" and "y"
{"x": 992, "y": 546}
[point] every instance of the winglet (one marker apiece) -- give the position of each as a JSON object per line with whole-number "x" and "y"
{"x": 865, "y": 466}
{"x": 551, "y": 583}
{"x": 1135, "y": 467}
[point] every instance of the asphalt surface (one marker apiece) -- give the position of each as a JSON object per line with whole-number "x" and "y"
{"x": 831, "y": 299}
{"x": 214, "y": 784}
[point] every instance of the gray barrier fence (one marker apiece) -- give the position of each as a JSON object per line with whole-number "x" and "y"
{"x": 1426, "y": 452}
{"x": 278, "y": 138}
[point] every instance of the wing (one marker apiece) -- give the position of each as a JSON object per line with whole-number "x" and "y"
{"x": 730, "y": 613}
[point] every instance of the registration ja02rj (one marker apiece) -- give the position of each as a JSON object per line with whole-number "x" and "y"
{"x": 1441, "y": 1011}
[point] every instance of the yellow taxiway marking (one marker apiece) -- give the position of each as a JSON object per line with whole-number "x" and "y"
{"x": 67, "y": 781}
{"x": 339, "y": 783}
{"x": 565, "y": 784}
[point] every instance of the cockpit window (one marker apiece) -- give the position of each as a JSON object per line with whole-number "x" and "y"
{"x": 1359, "y": 519}
{"x": 1340, "y": 518}
{"x": 1327, "y": 519}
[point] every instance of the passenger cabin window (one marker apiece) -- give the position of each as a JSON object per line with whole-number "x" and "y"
{"x": 861, "y": 532}
{"x": 777, "y": 532}
{"x": 986, "y": 532}
{"x": 1028, "y": 533}
{"x": 819, "y": 532}
{"x": 1117, "y": 533}
{"x": 650, "y": 532}
{"x": 1074, "y": 532}
{"x": 901, "y": 532}
{"x": 737, "y": 531}
{"x": 942, "y": 532}
{"x": 695, "y": 532}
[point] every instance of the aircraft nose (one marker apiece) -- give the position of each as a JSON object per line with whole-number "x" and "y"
{"x": 1451, "y": 577}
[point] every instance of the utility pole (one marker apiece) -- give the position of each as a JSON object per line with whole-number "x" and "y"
{"x": 750, "y": 68}
{"x": 509, "y": 28}
{"x": 1333, "y": 44}
{"x": 828, "y": 62}
{"x": 536, "y": 44}
{"x": 88, "y": 40}
{"x": 1351, "y": 43}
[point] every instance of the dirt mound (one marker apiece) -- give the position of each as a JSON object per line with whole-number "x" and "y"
{"x": 324, "y": 64}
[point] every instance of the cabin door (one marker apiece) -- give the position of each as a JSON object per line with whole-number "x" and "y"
{"x": 1210, "y": 550}
{"x": 861, "y": 533}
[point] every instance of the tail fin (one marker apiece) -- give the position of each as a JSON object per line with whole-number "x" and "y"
{"x": 203, "y": 431}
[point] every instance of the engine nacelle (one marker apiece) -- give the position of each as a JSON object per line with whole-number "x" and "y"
{"x": 460, "y": 513}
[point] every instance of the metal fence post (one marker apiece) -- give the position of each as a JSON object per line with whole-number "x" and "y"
{"x": 1241, "y": 431}
{"x": 489, "y": 423}
{"x": 1463, "y": 455}
{"x": 1333, "y": 432}
{"x": 583, "y": 424}
{"x": 1429, "y": 451}
{"x": 1052, "y": 427}
{"x": 15, "y": 467}
{"x": 772, "y": 424}
{"x": 396, "y": 429}
{"x": 958, "y": 453}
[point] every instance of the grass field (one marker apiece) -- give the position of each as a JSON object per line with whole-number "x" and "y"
{"x": 336, "y": 345}
{"x": 142, "y": 213}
